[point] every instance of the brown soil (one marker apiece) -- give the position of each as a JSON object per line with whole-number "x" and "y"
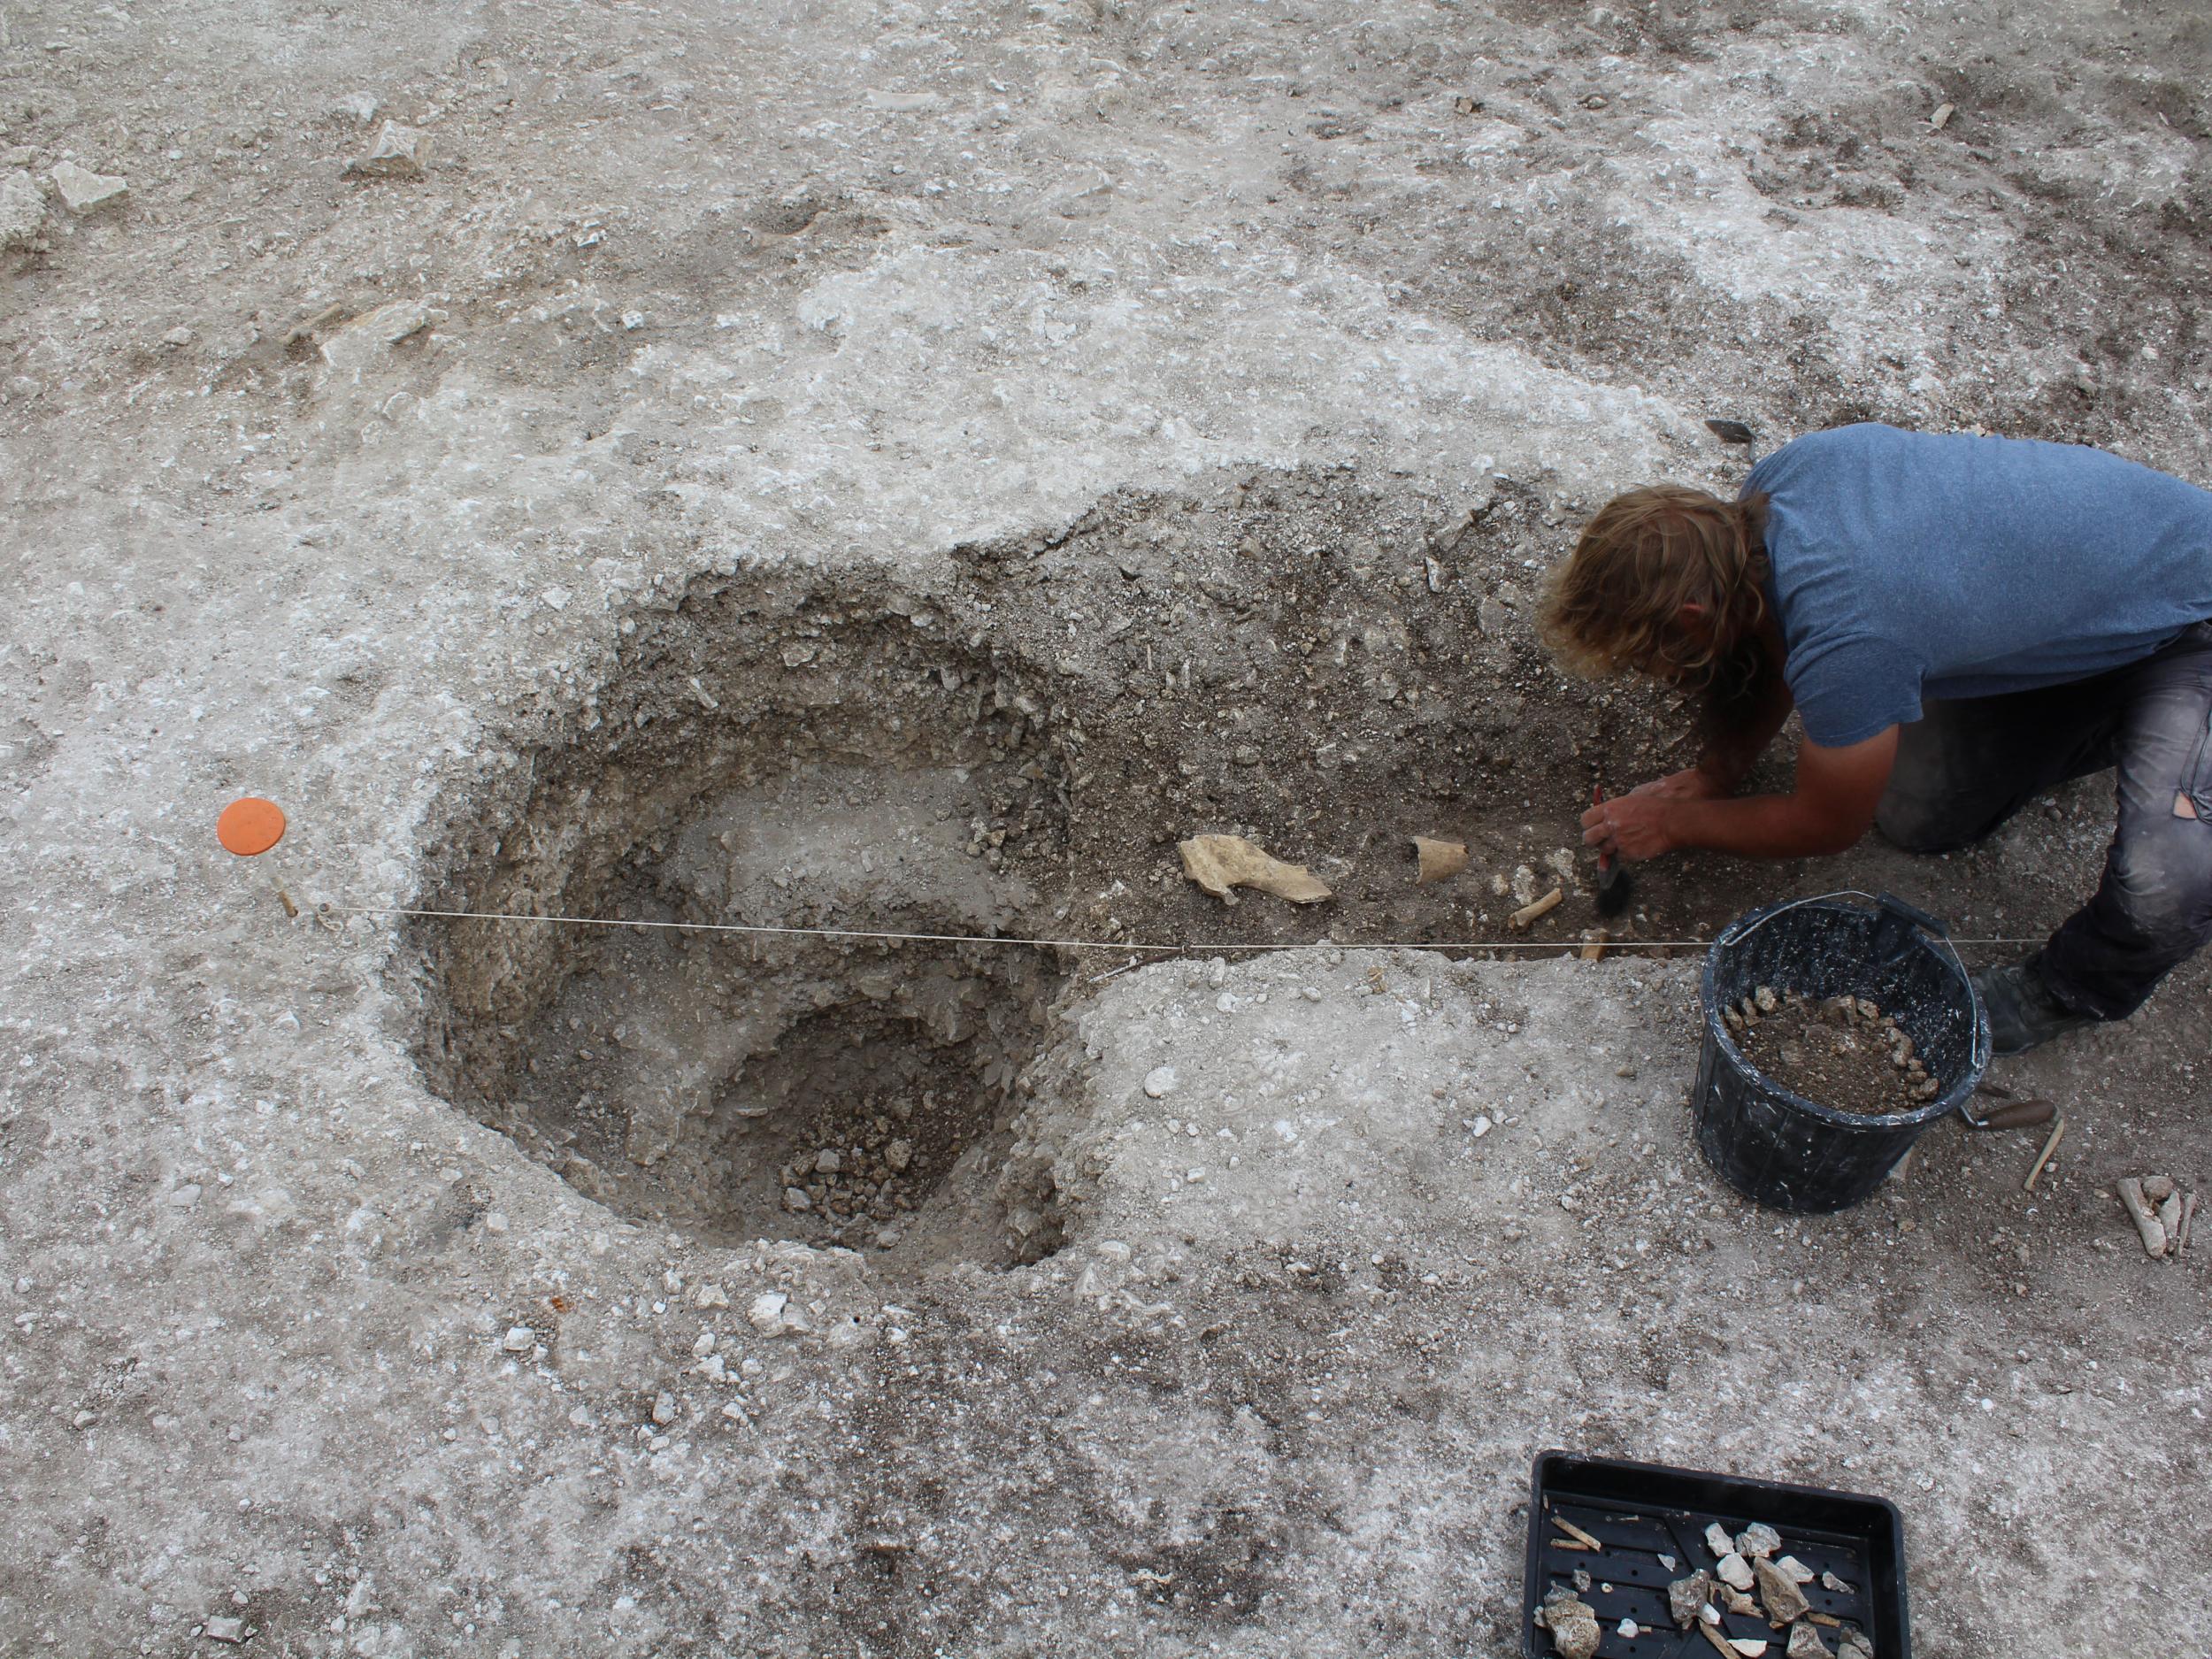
{"x": 1839, "y": 1057}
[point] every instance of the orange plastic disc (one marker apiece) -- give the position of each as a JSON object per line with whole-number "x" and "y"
{"x": 249, "y": 826}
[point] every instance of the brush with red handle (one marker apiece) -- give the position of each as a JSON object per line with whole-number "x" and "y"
{"x": 1612, "y": 879}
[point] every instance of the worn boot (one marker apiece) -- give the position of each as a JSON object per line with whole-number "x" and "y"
{"x": 2021, "y": 1009}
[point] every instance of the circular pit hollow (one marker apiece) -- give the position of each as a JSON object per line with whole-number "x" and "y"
{"x": 781, "y": 758}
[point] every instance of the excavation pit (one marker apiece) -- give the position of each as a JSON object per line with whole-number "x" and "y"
{"x": 764, "y": 777}
{"x": 813, "y": 761}
{"x": 856, "y": 1094}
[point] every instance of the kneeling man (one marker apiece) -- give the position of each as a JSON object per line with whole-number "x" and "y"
{"x": 1961, "y": 624}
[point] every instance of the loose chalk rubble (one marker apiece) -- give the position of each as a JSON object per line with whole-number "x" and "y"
{"x": 22, "y": 211}
{"x": 399, "y": 152}
{"x": 362, "y": 342}
{"x": 83, "y": 189}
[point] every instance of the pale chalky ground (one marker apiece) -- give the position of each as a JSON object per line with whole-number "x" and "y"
{"x": 899, "y": 469}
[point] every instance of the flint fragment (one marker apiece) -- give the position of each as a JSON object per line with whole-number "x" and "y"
{"x": 1687, "y": 1597}
{"x": 1786, "y": 1603}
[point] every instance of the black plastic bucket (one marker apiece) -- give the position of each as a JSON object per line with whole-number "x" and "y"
{"x": 1791, "y": 1153}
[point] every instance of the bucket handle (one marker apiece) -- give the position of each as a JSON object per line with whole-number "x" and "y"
{"x": 1731, "y": 937}
{"x": 1913, "y": 914}
{"x": 1897, "y": 907}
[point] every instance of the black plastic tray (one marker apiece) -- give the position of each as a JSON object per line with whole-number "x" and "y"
{"x": 1640, "y": 1511}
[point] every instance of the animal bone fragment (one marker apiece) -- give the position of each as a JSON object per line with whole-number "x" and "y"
{"x": 1440, "y": 860}
{"x": 1851, "y": 1645}
{"x": 1757, "y": 1540}
{"x": 2169, "y": 1218}
{"x": 1529, "y": 912}
{"x": 1805, "y": 1643}
{"x": 1786, "y": 1603}
{"x": 1797, "y": 1571}
{"x": 2158, "y": 1188}
{"x": 2146, "y": 1225}
{"x": 1717, "y": 1541}
{"x": 1829, "y": 1581}
{"x": 365, "y": 342}
{"x": 1573, "y": 1625}
{"x": 1734, "y": 1572}
{"x": 1218, "y": 862}
{"x": 1576, "y": 1533}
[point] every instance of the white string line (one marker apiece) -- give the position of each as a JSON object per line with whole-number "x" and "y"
{"x": 1215, "y": 948}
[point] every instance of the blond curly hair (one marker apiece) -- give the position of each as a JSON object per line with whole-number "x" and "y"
{"x": 1617, "y": 604}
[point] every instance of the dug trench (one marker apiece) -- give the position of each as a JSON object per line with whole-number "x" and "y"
{"x": 1011, "y": 747}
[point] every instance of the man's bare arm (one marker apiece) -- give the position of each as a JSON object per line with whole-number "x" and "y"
{"x": 1832, "y": 806}
{"x": 1731, "y": 751}
{"x": 1732, "y": 748}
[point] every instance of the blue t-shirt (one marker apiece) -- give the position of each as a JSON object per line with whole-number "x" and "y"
{"x": 1910, "y": 565}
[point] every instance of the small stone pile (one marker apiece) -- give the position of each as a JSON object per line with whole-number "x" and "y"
{"x": 1749, "y": 1580}
{"x": 1843, "y": 1051}
{"x": 866, "y": 1171}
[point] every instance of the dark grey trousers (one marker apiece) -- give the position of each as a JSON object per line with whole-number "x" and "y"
{"x": 1968, "y": 765}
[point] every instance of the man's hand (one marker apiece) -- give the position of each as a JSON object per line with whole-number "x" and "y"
{"x": 1833, "y": 802}
{"x": 1636, "y": 826}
